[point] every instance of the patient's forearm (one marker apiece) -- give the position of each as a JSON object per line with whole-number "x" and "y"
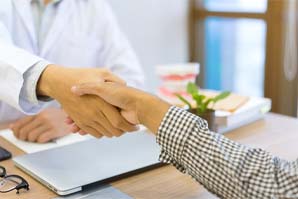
{"x": 151, "y": 111}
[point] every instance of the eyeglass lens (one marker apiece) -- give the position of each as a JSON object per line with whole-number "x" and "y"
{"x": 9, "y": 183}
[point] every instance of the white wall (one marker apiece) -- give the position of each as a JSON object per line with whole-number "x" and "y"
{"x": 157, "y": 30}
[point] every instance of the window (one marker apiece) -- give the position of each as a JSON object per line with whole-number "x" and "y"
{"x": 240, "y": 45}
{"x": 235, "y": 55}
{"x": 234, "y": 45}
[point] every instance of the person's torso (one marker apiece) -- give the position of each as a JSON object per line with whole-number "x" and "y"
{"x": 74, "y": 38}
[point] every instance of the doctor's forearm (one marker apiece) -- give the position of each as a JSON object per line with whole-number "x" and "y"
{"x": 49, "y": 80}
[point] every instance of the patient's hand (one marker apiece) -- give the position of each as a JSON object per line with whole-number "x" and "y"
{"x": 42, "y": 128}
{"x": 136, "y": 106}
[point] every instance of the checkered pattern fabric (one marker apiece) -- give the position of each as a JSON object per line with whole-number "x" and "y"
{"x": 227, "y": 169}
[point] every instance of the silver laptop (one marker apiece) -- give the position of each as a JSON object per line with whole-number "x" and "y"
{"x": 68, "y": 169}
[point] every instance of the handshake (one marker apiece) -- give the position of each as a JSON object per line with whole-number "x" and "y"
{"x": 99, "y": 103}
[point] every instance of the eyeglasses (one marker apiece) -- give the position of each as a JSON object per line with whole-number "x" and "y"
{"x": 9, "y": 183}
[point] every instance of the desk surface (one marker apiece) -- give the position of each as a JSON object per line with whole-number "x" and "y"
{"x": 278, "y": 134}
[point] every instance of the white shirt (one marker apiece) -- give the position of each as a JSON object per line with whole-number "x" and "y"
{"x": 83, "y": 33}
{"x": 43, "y": 16}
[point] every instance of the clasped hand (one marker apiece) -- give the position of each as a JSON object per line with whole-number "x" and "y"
{"x": 136, "y": 106}
{"x": 89, "y": 112}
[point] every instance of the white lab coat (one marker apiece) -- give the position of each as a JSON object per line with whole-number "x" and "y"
{"x": 84, "y": 34}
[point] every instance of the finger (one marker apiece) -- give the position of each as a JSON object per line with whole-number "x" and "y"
{"x": 69, "y": 120}
{"x": 108, "y": 76}
{"x": 131, "y": 117}
{"x": 15, "y": 127}
{"x": 113, "y": 78}
{"x": 27, "y": 128}
{"x": 46, "y": 137}
{"x": 101, "y": 128}
{"x": 110, "y": 128}
{"x": 37, "y": 132}
{"x": 117, "y": 121}
{"x": 81, "y": 132}
{"x": 92, "y": 131}
{"x": 74, "y": 128}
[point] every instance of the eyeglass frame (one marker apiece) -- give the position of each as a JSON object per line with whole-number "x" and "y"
{"x": 23, "y": 185}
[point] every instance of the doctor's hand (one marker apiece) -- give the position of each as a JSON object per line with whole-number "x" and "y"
{"x": 136, "y": 106}
{"x": 43, "y": 127}
{"x": 90, "y": 113}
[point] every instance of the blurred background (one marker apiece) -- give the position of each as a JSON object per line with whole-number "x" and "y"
{"x": 245, "y": 46}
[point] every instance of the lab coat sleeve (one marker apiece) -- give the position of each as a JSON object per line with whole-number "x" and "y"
{"x": 15, "y": 66}
{"x": 28, "y": 91}
{"x": 118, "y": 54}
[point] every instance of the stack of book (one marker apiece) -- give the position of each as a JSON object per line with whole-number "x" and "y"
{"x": 253, "y": 110}
{"x": 233, "y": 112}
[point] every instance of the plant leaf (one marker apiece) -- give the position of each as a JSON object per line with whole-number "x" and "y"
{"x": 221, "y": 96}
{"x": 184, "y": 100}
{"x": 197, "y": 98}
{"x": 192, "y": 88}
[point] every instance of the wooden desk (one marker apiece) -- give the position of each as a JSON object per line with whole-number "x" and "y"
{"x": 278, "y": 134}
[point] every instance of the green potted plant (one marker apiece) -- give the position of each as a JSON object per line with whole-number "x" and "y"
{"x": 204, "y": 105}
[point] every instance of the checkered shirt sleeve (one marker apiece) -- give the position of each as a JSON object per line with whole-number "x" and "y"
{"x": 227, "y": 169}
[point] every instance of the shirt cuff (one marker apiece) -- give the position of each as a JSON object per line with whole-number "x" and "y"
{"x": 31, "y": 78}
{"x": 173, "y": 134}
